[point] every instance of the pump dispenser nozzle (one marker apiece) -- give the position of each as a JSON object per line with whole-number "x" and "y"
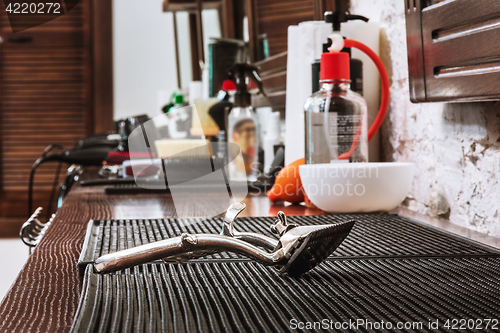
{"x": 337, "y": 18}
{"x": 337, "y": 43}
{"x": 238, "y": 74}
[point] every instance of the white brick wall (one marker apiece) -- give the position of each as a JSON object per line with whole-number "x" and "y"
{"x": 456, "y": 147}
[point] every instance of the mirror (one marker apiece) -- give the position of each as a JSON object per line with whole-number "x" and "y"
{"x": 144, "y": 56}
{"x": 211, "y": 29}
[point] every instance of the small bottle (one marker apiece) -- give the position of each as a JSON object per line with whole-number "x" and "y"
{"x": 271, "y": 138}
{"x": 335, "y": 116}
{"x": 243, "y": 122}
{"x": 179, "y": 119}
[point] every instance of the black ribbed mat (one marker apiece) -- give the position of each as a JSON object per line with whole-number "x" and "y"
{"x": 388, "y": 269}
{"x": 246, "y": 296}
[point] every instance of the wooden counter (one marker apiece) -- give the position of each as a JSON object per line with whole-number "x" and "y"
{"x": 45, "y": 296}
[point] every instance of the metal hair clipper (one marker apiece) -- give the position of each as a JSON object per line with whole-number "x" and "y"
{"x": 299, "y": 248}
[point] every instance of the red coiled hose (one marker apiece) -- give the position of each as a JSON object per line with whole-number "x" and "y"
{"x": 384, "y": 101}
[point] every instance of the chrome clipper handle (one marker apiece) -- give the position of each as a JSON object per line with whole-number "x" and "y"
{"x": 251, "y": 237}
{"x": 182, "y": 248}
{"x": 298, "y": 250}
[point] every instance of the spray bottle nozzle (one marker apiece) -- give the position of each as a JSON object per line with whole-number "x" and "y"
{"x": 336, "y": 18}
{"x": 239, "y": 74}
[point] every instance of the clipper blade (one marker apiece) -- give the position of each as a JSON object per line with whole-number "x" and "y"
{"x": 316, "y": 247}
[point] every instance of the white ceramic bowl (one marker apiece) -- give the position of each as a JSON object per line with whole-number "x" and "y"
{"x": 357, "y": 187}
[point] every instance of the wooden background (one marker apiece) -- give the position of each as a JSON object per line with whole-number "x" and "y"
{"x": 55, "y": 88}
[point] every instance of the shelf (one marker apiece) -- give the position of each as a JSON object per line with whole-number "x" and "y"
{"x": 189, "y": 5}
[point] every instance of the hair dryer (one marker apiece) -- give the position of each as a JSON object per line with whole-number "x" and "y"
{"x": 84, "y": 157}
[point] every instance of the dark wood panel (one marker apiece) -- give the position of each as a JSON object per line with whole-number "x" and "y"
{"x": 274, "y": 82}
{"x": 72, "y": 20}
{"x": 40, "y": 109}
{"x": 273, "y": 74}
{"x": 48, "y": 75}
{"x": 226, "y": 14}
{"x": 276, "y": 100}
{"x": 194, "y": 46}
{"x": 276, "y": 63}
{"x": 16, "y": 203}
{"x": 102, "y": 68}
{"x": 273, "y": 18}
{"x": 322, "y": 6}
{"x": 46, "y": 94}
{"x": 189, "y": 5}
{"x": 2, "y": 22}
{"x": 40, "y": 39}
{"x": 10, "y": 226}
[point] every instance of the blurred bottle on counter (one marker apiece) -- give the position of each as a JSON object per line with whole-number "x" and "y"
{"x": 222, "y": 54}
{"x": 179, "y": 119}
{"x": 220, "y": 111}
{"x": 272, "y": 137}
{"x": 243, "y": 122}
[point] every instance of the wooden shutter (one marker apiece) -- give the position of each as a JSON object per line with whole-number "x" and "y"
{"x": 45, "y": 99}
{"x": 274, "y": 16}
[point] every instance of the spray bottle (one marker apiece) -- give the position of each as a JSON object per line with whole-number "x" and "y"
{"x": 242, "y": 120}
{"x": 335, "y": 117}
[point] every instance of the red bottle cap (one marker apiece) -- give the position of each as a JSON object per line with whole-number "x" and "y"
{"x": 335, "y": 65}
{"x": 228, "y": 85}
